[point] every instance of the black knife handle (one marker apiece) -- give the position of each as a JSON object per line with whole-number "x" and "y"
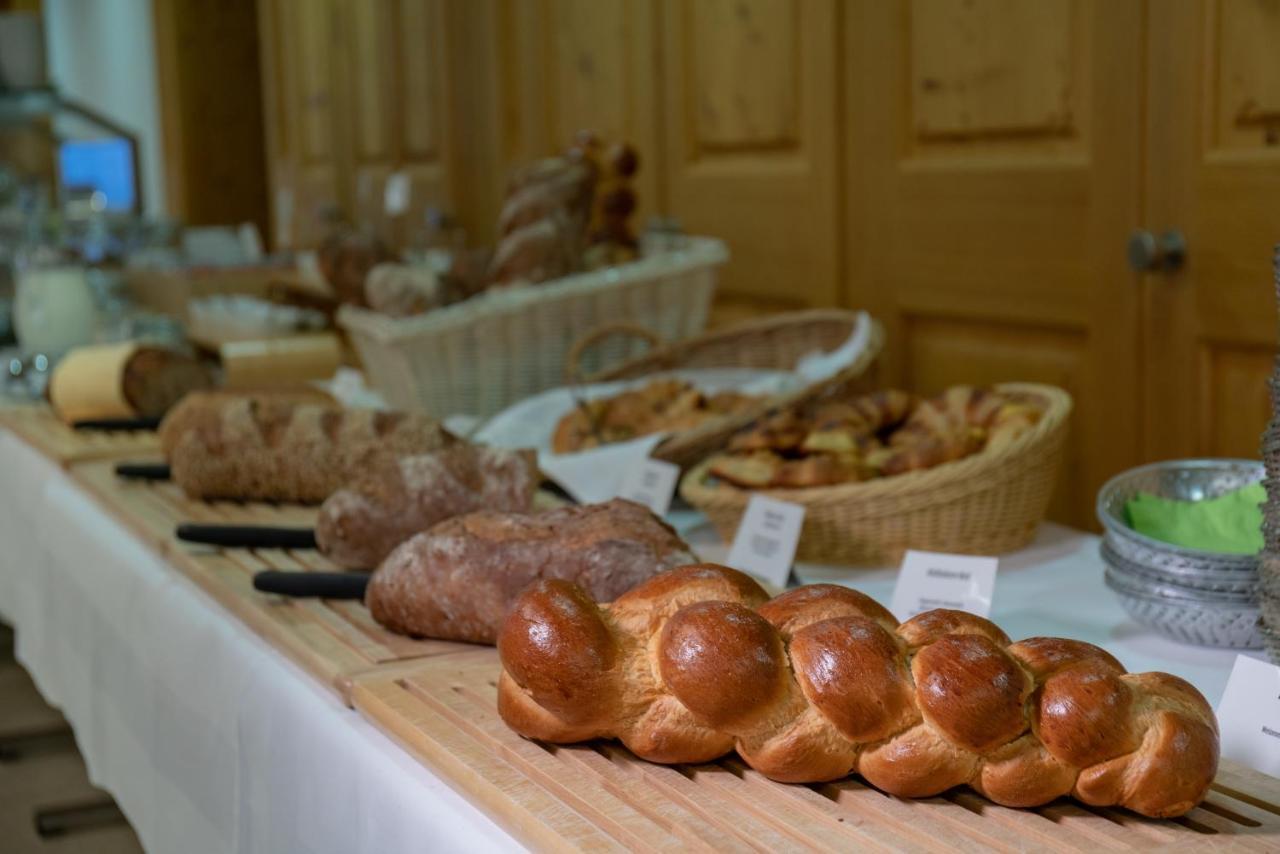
{"x": 247, "y": 536}
{"x": 326, "y": 585}
{"x": 143, "y": 471}
{"x": 117, "y": 424}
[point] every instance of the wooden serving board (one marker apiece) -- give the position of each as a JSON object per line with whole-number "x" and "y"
{"x": 333, "y": 640}
{"x": 37, "y": 426}
{"x": 601, "y": 797}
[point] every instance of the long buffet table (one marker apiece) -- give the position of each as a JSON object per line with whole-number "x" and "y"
{"x": 213, "y": 739}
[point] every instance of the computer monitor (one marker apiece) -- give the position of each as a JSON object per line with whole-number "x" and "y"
{"x": 104, "y": 165}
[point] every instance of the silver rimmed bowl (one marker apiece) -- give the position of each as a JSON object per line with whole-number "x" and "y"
{"x": 1190, "y": 595}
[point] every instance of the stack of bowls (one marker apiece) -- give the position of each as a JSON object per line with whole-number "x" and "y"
{"x": 1193, "y": 596}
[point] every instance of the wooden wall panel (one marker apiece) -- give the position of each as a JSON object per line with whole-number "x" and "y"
{"x": 1246, "y": 96}
{"x": 751, "y": 150}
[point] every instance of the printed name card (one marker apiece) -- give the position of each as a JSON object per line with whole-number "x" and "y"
{"x": 768, "y": 534}
{"x": 652, "y": 483}
{"x": 930, "y": 580}
{"x": 1249, "y": 715}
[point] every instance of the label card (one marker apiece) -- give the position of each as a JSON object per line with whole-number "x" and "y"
{"x": 652, "y": 483}
{"x": 1249, "y": 715}
{"x": 768, "y": 534}
{"x": 930, "y": 580}
{"x": 395, "y": 196}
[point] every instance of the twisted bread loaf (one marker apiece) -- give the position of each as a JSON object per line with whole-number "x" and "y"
{"x": 822, "y": 682}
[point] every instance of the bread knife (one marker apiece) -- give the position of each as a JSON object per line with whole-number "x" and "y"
{"x": 325, "y": 585}
{"x": 143, "y": 471}
{"x": 247, "y": 536}
{"x": 117, "y": 424}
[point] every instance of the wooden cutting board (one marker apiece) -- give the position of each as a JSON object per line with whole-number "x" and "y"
{"x": 36, "y": 425}
{"x": 333, "y": 640}
{"x": 601, "y": 797}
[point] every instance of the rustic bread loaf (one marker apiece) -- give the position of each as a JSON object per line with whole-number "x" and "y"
{"x": 269, "y": 448}
{"x": 456, "y": 580}
{"x": 126, "y": 380}
{"x": 361, "y": 523}
{"x": 823, "y": 682}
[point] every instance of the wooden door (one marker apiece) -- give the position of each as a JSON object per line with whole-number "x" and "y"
{"x": 305, "y": 147}
{"x": 394, "y": 109}
{"x": 993, "y": 174}
{"x": 1214, "y": 174}
{"x": 750, "y": 106}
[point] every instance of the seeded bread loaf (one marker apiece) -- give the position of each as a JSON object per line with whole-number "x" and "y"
{"x": 267, "y": 448}
{"x": 362, "y": 522}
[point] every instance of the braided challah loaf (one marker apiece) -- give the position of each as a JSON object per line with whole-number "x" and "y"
{"x": 823, "y": 682}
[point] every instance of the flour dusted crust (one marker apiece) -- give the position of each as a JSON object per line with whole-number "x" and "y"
{"x": 268, "y": 448}
{"x": 456, "y": 580}
{"x": 822, "y": 682}
{"x": 361, "y": 523}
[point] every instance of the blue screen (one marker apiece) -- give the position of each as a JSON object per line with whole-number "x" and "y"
{"x": 105, "y": 165}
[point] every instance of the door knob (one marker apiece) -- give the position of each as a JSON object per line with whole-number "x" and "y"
{"x": 1151, "y": 254}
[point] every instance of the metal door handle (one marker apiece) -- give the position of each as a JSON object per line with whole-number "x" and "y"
{"x": 1151, "y": 254}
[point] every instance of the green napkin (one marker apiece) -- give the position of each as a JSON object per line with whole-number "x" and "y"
{"x": 1230, "y": 523}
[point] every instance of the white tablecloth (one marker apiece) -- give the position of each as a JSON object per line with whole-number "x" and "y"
{"x": 212, "y": 741}
{"x": 209, "y": 739}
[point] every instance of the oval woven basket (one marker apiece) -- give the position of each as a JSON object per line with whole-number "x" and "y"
{"x": 777, "y": 342}
{"x": 987, "y": 503}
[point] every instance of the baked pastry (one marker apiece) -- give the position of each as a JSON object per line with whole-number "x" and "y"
{"x": 127, "y": 380}
{"x": 828, "y": 442}
{"x": 345, "y": 259}
{"x": 658, "y": 406}
{"x": 360, "y": 524}
{"x": 274, "y": 448}
{"x": 823, "y": 682}
{"x": 457, "y": 580}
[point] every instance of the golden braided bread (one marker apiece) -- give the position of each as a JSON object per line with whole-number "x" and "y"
{"x": 822, "y": 682}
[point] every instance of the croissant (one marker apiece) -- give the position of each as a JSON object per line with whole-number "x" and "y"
{"x": 823, "y": 682}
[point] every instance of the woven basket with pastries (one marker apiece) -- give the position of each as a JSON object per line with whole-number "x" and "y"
{"x": 778, "y": 343}
{"x": 970, "y": 471}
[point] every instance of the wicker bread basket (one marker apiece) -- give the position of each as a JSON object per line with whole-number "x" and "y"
{"x": 777, "y": 342}
{"x": 480, "y": 356}
{"x": 987, "y": 503}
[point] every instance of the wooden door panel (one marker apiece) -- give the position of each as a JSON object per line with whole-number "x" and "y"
{"x": 995, "y": 69}
{"x": 1214, "y": 174}
{"x": 750, "y": 95}
{"x": 993, "y": 174}
{"x": 304, "y": 149}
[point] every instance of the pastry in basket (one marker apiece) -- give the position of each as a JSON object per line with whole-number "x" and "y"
{"x": 283, "y": 448}
{"x": 360, "y": 524}
{"x": 457, "y": 580}
{"x": 822, "y": 682}
{"x": 663, "y": 405}
{"x": 828, "y": 442}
